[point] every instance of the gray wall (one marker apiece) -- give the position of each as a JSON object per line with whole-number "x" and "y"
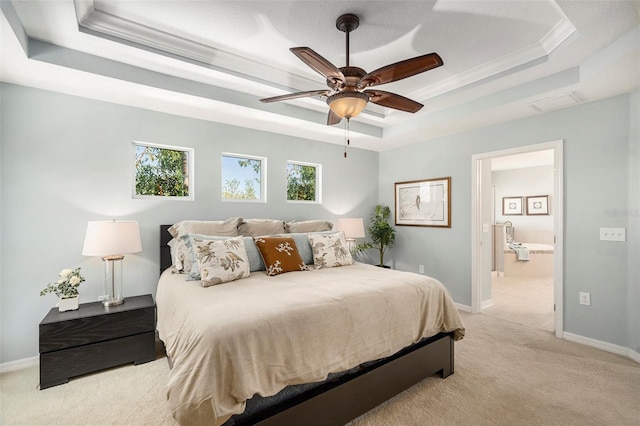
{"x": 600, "y": 175}
{"x": 632, "y": 215}
{"x": 66, "y": 160}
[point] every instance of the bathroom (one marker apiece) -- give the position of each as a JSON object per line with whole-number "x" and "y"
{"x": 523, "y": 238}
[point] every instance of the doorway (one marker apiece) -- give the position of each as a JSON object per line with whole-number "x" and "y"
{"x": 486, "y": 211}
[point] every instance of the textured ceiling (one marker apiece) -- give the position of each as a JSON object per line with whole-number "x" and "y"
{"x": 214, "y": 60}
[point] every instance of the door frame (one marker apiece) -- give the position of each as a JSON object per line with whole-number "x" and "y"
{"x": 480, "y": 218}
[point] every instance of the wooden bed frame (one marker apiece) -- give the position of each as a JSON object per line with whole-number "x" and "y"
{"x": 347, "y": 397}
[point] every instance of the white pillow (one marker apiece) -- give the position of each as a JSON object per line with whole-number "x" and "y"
{"x": 308, "y": 226}
{"x": 223, "y": 228}
{"x": 259, "y": 227}
{"x": 221, "y": 261}
{"x": 330, "y": 250}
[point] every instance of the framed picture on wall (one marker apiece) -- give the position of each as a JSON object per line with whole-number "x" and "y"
{"x": 512, "y": 206}
{"x": 538, "y": 204}
{"x": 424, "y": 202}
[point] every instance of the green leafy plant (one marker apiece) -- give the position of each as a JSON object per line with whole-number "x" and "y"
{"x": 67, "y": 285}
{"x": 161, "y": 172}
{"x": 382, "y": 234}
{"x": 301, "y": 182}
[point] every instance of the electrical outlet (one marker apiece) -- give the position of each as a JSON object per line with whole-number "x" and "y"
{"x": 585, "y": 299}
{"x": 613, "y": 234}
{"x": 421, "y": 269}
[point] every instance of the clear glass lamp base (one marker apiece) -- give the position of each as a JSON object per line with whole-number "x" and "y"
{"x": 112, "y": 295}
{"x": 112, "y": 302}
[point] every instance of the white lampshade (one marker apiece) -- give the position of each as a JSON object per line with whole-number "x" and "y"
{"x": 114, "y": 237}
{"x": 353, "y": 227}
{"x": 111, "y": 240}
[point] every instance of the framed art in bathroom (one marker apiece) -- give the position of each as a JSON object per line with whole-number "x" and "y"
{"x": 512, "y": 206}
{"x": 423, "y": 202}
{"x": 538, "y": 205}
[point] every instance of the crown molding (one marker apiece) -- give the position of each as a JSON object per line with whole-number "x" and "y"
{"x": 557, "y": 35}
{"x": 99, "y": 23}
{"x": 507, "y": 64}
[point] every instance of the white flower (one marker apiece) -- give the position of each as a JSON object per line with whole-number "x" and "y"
{"x": 67, "y": 285}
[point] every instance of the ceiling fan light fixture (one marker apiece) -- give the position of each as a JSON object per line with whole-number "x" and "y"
{"x": 348, "y": 104}
{"x": 348, "y": 83}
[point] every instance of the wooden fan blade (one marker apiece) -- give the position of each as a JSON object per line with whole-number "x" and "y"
{"x": 400, "y": 70}
{"x": 392, "y": 100}
{"x": 318, "y": 63}
{"x": 324, "y": 92}
{"x": 333, "y": 118}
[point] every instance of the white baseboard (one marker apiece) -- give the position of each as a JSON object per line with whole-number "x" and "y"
{"x": 605, "y": 346}
{"x": 463, "y": 308}
{"x": 19, "y": 364}
{"x": 466, "y": 308}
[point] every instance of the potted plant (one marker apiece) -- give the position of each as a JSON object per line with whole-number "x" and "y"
{"x": 382, "y": 234}
{"x": 66, "y": 288}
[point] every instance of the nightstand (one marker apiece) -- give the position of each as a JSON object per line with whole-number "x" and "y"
{"x": 95, "y": 337}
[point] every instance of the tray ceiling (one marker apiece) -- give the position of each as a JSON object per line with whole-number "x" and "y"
{"x": 214, "y": 60}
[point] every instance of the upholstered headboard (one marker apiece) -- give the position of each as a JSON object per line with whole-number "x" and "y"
{"x": 165, "y": 250}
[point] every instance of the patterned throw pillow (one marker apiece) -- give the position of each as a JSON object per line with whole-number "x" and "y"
{"x": 255, "y": 260}
{"x": 180, "y": 252}
{"x": 330, "y": 250}
{"x": 302, "y": 243}
{"x": 280, "y": 255}
{"x": 221, "y": 261}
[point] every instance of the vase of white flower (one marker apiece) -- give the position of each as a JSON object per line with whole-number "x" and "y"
{"x": 66, "y": 288}
{"x": 68, "y": 304}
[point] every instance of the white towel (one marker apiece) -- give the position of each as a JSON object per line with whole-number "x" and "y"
{"x": 522, "y": 253}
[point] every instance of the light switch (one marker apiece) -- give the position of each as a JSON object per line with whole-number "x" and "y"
{"x": 613, "y": 234}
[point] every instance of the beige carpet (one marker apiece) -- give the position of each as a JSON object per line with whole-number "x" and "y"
{"x": 506, "y": 374}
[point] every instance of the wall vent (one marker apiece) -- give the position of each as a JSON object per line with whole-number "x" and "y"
{"x": 555, "y": 102}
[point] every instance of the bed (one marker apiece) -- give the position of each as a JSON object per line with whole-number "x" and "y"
{"x": 225, "y": 369}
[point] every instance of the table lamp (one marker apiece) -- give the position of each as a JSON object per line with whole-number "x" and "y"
{"x": 111, "y": 240}
{"x": 353, "y": 227}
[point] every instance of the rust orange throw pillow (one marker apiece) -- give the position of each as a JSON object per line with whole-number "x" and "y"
{"x": 280, "y": 255}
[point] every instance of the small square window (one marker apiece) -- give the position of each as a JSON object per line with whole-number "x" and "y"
{"x": 244, "y": 178}
{"x": 162, "y": 171}
{"x": 304, "y": 182}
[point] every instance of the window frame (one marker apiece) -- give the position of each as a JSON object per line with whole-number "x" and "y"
{"x": 190, "y": 172}
{"x": 318, "y": 191}
{"x": 263, "y": 177}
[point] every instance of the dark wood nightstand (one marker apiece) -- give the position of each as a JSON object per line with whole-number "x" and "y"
{"x": 93, "y": 338}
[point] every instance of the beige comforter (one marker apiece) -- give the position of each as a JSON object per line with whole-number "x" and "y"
{"x": 260, "y": 334}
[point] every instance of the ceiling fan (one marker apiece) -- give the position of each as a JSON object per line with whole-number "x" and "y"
{"x": 348, "y": 92}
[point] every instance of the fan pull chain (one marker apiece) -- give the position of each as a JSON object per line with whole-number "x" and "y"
{"x": 347, "y": 142}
